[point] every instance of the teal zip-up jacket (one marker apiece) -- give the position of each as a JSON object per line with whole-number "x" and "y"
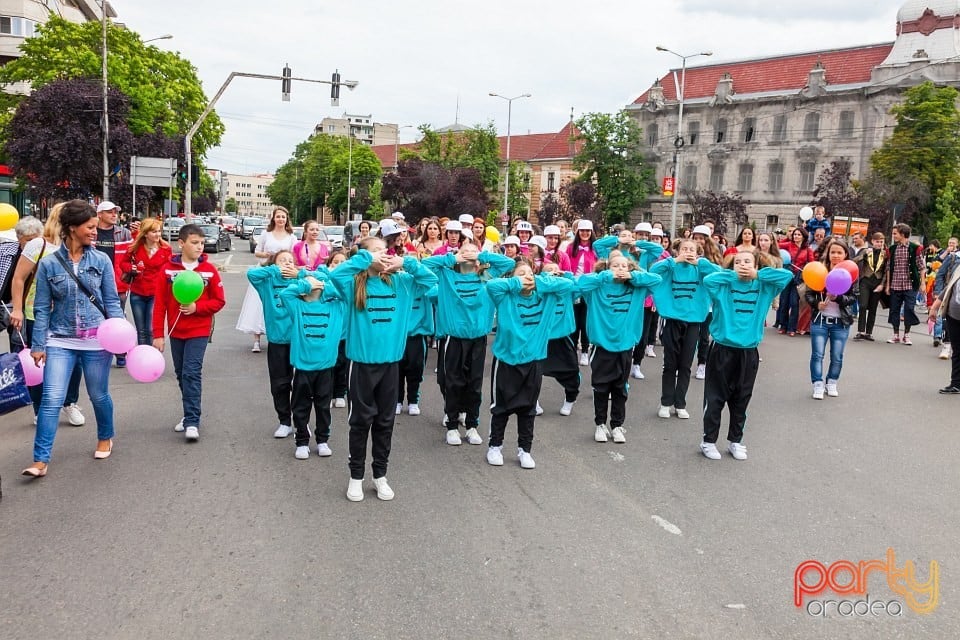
{"x": 268, "y": 283}
{"x": 317, "y": 324}
{"x": 524, "y": 322}
{"x": 681, "y": 294}
{"x": 378, "y": 333}
{"x": 740, "y": 307}
{"x": 615, "y": 309}
{"x": 563, "y": 322}
{"x": 650, "y": 252}
{"x": 463, "y": 309}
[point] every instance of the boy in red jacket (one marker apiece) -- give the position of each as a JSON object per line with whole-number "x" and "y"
{"x": 190, "y": 324}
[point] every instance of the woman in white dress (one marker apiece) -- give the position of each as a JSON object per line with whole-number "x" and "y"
{"x": 278, "y": 236}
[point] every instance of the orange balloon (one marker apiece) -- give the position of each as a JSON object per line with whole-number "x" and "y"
{"x": 815, "y": 275}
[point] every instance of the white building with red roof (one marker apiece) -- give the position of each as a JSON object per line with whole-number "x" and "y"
{"x": 765, "y": 128}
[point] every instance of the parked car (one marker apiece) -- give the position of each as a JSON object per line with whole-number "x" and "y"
{"x": 245, "y": 228}
{"x": 254, "y": 236}
{"x": 352, "y": 229}
{"x": 215, "y": 238}
{"x": 298, "y": 233}
{"x": 334, "y": 236}
{"x": 171, "y": 228}
{"x": 229, "y": 223}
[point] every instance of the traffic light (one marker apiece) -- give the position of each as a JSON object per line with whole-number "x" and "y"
{"x": 285, "y": 83}
{"x": 182, "y": 172}
{"x": 335, "y": 89}
{"x": 194, "y": 177}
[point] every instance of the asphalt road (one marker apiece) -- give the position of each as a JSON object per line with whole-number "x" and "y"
{"x": 234, "y": 538}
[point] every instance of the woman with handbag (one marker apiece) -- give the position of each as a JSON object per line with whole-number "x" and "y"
{"x": 76, "y": 291}
{"x": 23, "y": 288}
{"x": 141, "y": 268}
{"x": 800, "y": 254}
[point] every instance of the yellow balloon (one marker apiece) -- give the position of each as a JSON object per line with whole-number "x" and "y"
{"x": 9, "y": 216}
{"x": 493, "y": 235}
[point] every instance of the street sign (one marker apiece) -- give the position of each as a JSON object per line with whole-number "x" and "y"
{"x": 669, "y": 182}
{"x": 152, "y": 172}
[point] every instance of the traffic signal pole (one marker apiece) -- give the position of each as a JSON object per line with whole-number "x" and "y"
{"x": 285, "y": 80}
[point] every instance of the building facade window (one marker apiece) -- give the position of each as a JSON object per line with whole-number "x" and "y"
{"x": 693, "y": 132}
{"x": 687, "y": 221}
{"x": 716, "y": 177}
{"x": 773, "y": 222}
{"x": 846, "y": 124}
{"x": 653, "y": 134}
{"x": 779, "y": 128}
{"x": 775, "y": 177}
{"x": 720, "y": 130}
{"x": 16, "y": 26}
{"x": 689, "y": 180}
{"x": 749, "y": 129}
{"x": 745, "y": 179}
{"x": 551, "y": 181}
{"x": 811, "y": 126}
{"x": 808, "y": 172}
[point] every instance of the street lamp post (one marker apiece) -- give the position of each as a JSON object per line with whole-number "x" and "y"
{"x": 678, "y": 141}
{"x": 166, "y": 36}
{"x": 349, "y": 171}
{"x": 106, "y": 116}
{"x": 506, "y": 180}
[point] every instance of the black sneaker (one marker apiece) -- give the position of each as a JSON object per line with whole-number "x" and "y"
{"x": 868, "y": 337}
{"x": 936, "y": 342}
{"x": 951, "y": 390}
{"x": 858, "y": 337}
{"x": 121, "y": 361}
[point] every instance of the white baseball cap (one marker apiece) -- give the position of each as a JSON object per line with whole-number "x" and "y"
{"x": 466, "y": 219}
{"x": 702, "y": 229}
{"x": 454, "y": 225}
{"x": 540, "y": 241}
{"x": 585, "y": 224}
{"x": 389, "y": 228}
{"x": 523, "y": 225}
{"x": 656, "y": 231}
{"x": 511, "y": 240}
{"x": 106, "y": 205}
{"x": 397, "y": 215}
{"x": 643, "y": 227}
{"x": 551, "y": 230}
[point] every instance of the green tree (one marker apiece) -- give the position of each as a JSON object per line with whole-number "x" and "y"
{"x": 477, "y": 148}
{"x": 611, "y": 158}
{"x": 925, "y": 145}
{"x": 946, "y": 206}
{"x": 518, "y": 202}
{"x": 165, "y": 93}
{"x": 231, "y": 205}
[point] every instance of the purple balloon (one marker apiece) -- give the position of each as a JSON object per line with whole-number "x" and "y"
{"x": 145, "y": 363}
{"x": 838, "y": 282}
{"x": 117, "y": 335}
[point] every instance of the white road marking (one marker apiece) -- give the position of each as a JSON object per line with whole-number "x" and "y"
{"x": 667, "y": 526}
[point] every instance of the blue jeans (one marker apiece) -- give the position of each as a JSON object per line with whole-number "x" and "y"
{"x": 142, "y": 307}
{"x": 790, "y": 306}
{"x": 56, "y": 375}
{"x": 188, "y": 363}
{"x": 820, "y": 332}
{"x": 36, "y": 391}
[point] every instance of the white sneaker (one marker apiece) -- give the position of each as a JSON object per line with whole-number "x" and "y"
{"x": 302, "y": 453}
{"x": 283, "y": 431}
{"x": 413, "y": 409}
{"x": 701, "y": 371}
{"x": 256, "y": 347}
{"x": 947, "y": 352}
{"x": 584, "y": 360}
{"x": 663, "y": 412}
{"x": 635, "y": 372}
{"x": 683, "y": 414}
{"x": 600, "y": 435}
{"x": 473, "y": 437}
{"x": 340, "y": 403}
{"x": 567, "y": 408}
{"x": 191, "y": 433}
{"x": 526, "y": 460}
{"x": 619, "y": 435}
{"x": 495, "y": 456}
{"x": 399, "y": 408}
{"x": 737, "y": 450}
{"x": 539, "y": 409}
{"x": 74, "y": 417}
{"x": 355, "y": 490}
{"x": 650, "y": 353}
{"x": 453, "y": 437}
{"x": 384, "y": 492}
{"x": 323, "y": 450}
{"x": 179, "y": 426}
{"x": 34, "y": 419}
{"x": 818, "y": 389}
{"x": 709, "y": 450}
{"x": 832, "y": 389}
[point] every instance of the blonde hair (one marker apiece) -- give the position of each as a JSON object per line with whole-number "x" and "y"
{"x": 146, "y": 226}
{"x": 51, "y": 228}
{"x": 360, "y": 280}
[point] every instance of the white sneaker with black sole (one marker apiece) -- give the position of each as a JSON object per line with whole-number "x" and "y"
{"x": 709, "y": 450}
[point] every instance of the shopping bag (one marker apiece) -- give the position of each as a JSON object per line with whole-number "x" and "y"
{"x": 13, "y": 386}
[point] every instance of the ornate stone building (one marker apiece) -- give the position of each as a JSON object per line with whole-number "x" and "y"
{"x": 766, "y": 127}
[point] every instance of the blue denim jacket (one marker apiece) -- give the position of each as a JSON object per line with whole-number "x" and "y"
{"x": 60, "y": 308}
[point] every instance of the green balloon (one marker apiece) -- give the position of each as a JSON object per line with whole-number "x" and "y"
{"x": 187, "y": 287}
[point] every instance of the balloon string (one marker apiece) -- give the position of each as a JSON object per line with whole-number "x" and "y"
{"x": 173, "y": 326}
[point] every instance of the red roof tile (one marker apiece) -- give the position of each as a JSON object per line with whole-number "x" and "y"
{"x": 778, "y": 73}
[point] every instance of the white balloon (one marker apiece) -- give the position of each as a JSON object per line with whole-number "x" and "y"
{"x": 806, "y": 213}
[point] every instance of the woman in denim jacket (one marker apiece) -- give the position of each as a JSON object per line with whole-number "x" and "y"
{"x": 65, "y": 330}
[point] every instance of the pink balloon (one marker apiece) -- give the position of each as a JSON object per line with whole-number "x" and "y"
{"x": 32, "y": 374}
{"x": 117, "y": 335}
{"x": 838, "y": 281}
{"x": 145, "y": 363}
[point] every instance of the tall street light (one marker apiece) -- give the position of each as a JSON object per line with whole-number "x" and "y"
{"x": 106, "y": 116}
{"x": 506, "y": 181}
{"x": 166, "y": 36}
{"x": 349, "y": 171}
{"x": 678, "y": 141}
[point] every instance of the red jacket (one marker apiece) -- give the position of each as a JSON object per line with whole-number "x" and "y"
{"x": 166, "y": 309}
{"x": 150, "y": 269}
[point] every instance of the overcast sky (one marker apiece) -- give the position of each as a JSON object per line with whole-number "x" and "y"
{"x": 416, "y": 60}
